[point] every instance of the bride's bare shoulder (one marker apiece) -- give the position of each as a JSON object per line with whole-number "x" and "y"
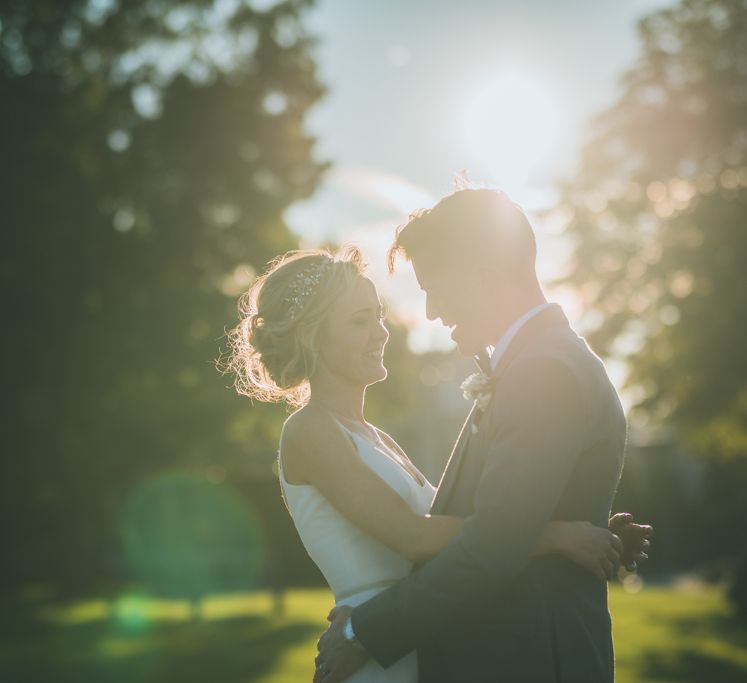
{"x": 310, "y": 431}
{"x": 304, "y": 422}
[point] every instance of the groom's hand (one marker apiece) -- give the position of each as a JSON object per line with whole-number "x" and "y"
{"x": 337, "y": 659}
{"x": 635, "y": 538}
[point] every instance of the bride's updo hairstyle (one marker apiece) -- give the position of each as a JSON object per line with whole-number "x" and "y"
{"x": 274, "y": 349}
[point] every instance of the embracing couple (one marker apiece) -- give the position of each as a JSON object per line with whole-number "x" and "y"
{"x": 498, "y": 573}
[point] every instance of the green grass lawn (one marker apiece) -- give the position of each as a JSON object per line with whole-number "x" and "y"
{"x": 661, "y": 635}
{"x": 667, "y": 635}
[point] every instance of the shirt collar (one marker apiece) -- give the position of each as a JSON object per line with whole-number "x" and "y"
{"x": 497, "y": 351}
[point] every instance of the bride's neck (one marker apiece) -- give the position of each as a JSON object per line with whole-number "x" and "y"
{"x": 338, "y": 397}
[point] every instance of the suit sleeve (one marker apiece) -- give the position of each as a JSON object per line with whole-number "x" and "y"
{"x": 539, "y": 425}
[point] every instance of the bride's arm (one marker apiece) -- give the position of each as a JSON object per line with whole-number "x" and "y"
{"x": 316, "y": 451}
{"x": 600, "y": 551}
{"x": 315, "y": 448}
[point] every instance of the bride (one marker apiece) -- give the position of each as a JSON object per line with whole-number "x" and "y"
{"x": 312, "y": 334}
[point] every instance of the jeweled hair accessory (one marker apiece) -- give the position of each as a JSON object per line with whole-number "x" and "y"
{"x": 303, "y": 284}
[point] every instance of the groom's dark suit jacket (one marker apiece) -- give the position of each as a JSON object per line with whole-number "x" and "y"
{"x": 549, "y": 446}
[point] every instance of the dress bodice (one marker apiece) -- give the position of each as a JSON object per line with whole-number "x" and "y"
{"x": 351, "y": 561}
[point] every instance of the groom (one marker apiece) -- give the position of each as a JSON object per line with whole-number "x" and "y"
{"x": 548, "y": 446}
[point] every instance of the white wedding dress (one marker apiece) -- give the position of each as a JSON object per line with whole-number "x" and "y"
{"x": 355, "y": 565}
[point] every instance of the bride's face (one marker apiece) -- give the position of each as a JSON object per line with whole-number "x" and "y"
{"x": 353, "y": 336}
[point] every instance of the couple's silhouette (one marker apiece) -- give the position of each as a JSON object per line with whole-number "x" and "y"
{"x": 499, "y": 572}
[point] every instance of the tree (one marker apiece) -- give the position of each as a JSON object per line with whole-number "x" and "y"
{"x": 657, "y": 211}
{"x": 150, "y": 148}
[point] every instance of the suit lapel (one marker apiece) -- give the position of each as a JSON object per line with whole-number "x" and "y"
{"x": 452, "y": 465}
{"x": 550, "y": 317}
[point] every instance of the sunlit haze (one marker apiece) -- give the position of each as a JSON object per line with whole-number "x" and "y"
{"x": 502, "y": 91}
{"x": 510, "y": 123}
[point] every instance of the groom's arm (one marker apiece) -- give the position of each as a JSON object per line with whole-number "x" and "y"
{"x": 541, "y": 420}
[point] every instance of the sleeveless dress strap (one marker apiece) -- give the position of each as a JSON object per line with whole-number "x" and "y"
{"x": 350, "y": 432}
{"x": 341, "y": 426}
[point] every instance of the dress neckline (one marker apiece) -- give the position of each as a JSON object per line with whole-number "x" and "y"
{"x": 354, "y": 434}
{"x": 388, "y": 456}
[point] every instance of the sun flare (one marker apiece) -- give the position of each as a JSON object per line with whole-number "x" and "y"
{"x": 509, "y": 126}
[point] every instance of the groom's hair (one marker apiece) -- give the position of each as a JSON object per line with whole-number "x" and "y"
{"x": 466, "y": 226}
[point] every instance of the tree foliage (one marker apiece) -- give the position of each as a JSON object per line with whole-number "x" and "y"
{"x": 149, "y": 149}
{"x": 657, "y": 211}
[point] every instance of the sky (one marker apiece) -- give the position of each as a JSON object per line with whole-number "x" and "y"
{"x": 421, "y": 90}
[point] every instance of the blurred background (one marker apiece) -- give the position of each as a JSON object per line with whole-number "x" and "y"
{"x": 156, "y": 153}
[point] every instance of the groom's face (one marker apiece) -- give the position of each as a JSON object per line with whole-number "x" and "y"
{"x": 456, "y": 297}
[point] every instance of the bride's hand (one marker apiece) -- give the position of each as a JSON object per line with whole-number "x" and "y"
{"x": 636, "y": 539}
{"x": 596, "y": 550}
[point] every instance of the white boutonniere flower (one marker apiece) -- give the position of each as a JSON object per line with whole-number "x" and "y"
{"x": 478, "y": 387}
